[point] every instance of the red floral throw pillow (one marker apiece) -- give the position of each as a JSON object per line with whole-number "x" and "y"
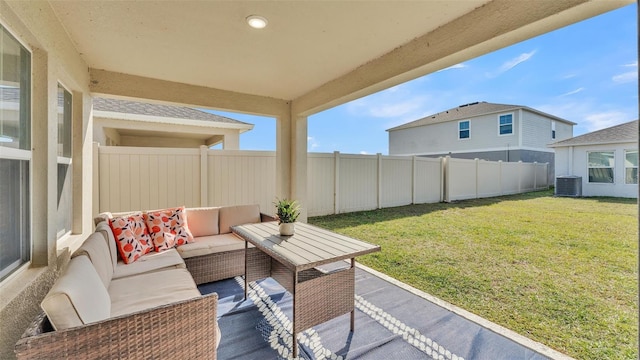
{"x": 168, "y": 228}
{"x": 132, "y": 237}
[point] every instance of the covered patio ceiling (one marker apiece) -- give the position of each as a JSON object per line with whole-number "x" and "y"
{"x": 313, "y": 55}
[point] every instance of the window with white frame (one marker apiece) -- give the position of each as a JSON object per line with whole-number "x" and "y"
{"x": 464, "y": 129}
{"x": 553, "y": 130}
{"x": 65, "y": 190}
{"x": 505, "y": 124}
{"x": 601, "y": 166}
{"x": 631, "y": 167}
{"x": 15, "y": 154}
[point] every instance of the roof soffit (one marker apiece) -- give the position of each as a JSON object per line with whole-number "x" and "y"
{"x": 318, "y": 53}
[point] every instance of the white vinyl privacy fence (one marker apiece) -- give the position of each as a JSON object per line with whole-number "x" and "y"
{"x": 473, "y": 179}
{"x": 128, "y": 178}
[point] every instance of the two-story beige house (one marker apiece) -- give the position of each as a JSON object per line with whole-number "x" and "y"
{"x": 483, "y": 130}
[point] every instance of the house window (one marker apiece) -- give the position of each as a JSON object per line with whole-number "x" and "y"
{"x": 505, "y": 124}
{"x": 553, "y": 130}
{"x": 464, "y": 131}
{"x": 631, "y": 167}
{"x": 15, "y": 156}
{"x": 601, "y": 165}
{"x": 64, "y": 162}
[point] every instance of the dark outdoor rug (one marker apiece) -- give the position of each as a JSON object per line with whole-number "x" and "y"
{"x": 390, "y": 323}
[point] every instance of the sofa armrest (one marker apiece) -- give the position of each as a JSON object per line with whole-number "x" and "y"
{"x": 181, "y": 330}
{"x": 266, "y": 218}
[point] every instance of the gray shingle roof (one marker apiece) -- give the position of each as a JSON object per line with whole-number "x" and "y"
{"x": 168, "y": 111}
{"x": 467, "y": 111}
{"x": 627, "y": 132}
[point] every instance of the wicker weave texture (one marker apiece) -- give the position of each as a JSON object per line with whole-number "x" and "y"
{"x": 258, "y": 264}
{"x": 282, "y": 275}
{"x": 181, "y": 330}
{"x": 323, "y": 298}
{"x": 216, "y": 266}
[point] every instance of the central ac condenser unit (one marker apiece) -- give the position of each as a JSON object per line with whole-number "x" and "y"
{"x": 569, "y": 186}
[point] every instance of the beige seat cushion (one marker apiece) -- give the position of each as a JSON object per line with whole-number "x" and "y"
{"x": 238, "y": 215}
{"x": 203, "y": 221}
{"x": 95, "y": 247}
{"x": 206, "y": 245}
{"x": 153, "y": 261}
{"x": 78, "y": 297}
{"x": 141, "y": 292}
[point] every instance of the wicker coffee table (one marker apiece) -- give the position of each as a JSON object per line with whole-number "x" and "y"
{"x": 318, "y": 295}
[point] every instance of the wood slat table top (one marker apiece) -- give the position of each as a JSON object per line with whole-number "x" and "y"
{"x": 309, "y": 247}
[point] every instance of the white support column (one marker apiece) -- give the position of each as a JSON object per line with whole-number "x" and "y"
{"x": 283, "y": 155}
{"x": 231, "y": 141}
{"x": 77, "y": 136}
{"x": 299, "y": 164}
{"x": 44, "y": 177}
{"x": 291, "y": 159}
{"x": 535, "y": 175}
{"x": 204, "y": 176}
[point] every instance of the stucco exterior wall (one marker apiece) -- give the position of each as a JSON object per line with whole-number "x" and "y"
{"x": 54, "y": 61}
{"x": 443, "y": 137}
{"x": 573, "y": 161}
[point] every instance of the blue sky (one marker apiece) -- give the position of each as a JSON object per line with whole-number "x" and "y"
{"x": 586, "y": 73}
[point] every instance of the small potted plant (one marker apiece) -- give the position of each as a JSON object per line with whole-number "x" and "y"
{"x": 287, "y": 212}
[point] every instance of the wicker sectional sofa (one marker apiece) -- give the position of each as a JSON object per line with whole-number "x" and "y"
{"x": 102, "y": 308}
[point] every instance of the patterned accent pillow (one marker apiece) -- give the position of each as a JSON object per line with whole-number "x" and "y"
{"x": 171, "y": 221}
{"x": 132, "y": 237}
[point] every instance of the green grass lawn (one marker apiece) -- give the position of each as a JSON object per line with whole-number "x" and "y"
{"x": 560, "y": 271}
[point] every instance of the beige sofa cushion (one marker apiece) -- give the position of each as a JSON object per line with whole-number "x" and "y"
{"x": 206, "y": 245}
{"x": 153, "y": 261}
{"x": 104, "y": 228}
{"x": 203, "y": 221}
{"x": 95, "y": 247}
{"x": 77, "y": 297}
{"x": 238, "y": 215}
{"x": 141, "y": 292}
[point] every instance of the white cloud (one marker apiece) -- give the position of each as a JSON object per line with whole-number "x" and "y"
{"x": 573, "y": 92}
{"x": 589, "y": 115}
{"x": 456, "y": 66}
{"x": 516, "y": 61}
{"x": 364, "y": 153}
{"x": 628, "y": 76}
{"x": 603, "y": 120}
{"x": 625, "y": 77}
{"x": 396, "y": 109}
{"x": 312, "y": 143}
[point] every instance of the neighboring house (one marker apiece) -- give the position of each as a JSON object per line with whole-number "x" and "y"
{"x": 131, "y": 123}
{"x": 607, "y": 160}
{"x": 483, "y": 130}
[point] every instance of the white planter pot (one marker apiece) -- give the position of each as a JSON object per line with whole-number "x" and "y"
{"x": 287, "y": 229}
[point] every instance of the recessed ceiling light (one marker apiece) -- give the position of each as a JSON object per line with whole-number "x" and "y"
{"x": 257, "y": 22}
